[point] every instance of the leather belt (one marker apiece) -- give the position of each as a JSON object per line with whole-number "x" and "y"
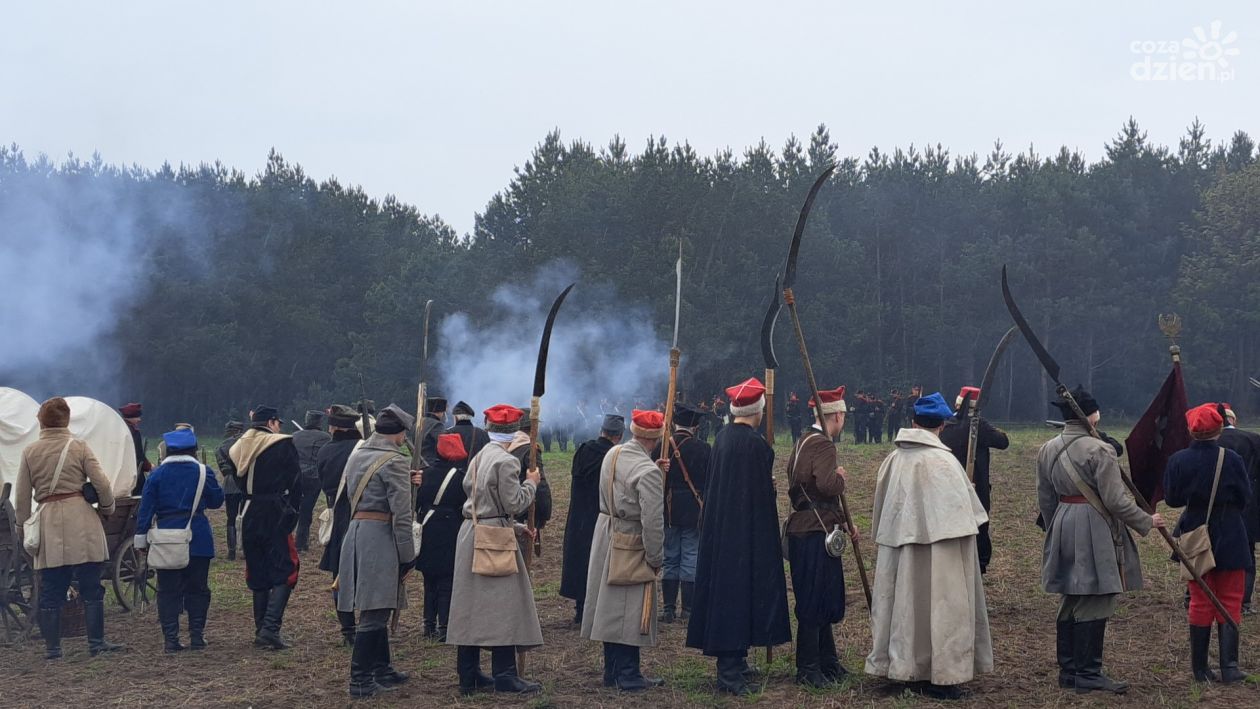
{"x": 374, "y": 516}
{"x": 61, "y": 496}
{"x": 1073, "y": 499}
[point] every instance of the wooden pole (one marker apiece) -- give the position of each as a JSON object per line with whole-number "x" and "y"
{"x": 770, "y": 407}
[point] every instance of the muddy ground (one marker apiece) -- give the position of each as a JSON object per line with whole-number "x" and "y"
{"x": 1146, "y": 644}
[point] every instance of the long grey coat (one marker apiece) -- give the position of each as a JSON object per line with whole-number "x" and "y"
{"x": 371, "y": 551}
{"x": 1084, "y": 551}
{"x": 613, "y": 613}
{"x": 492, "y": 611}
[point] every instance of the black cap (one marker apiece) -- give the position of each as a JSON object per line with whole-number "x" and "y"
{"x": 1084, "y": 399}
{"x": 393, "y": 419}
{"x": 342, "y": 416}
{"x": 435, "y": 404}
{"x": 263, "y": 414}
{"x": 233, "y": 427}
{"x": 463, "y": 409}
{"x": 687, "y": 417}
{"x": 614, "y": 424}
{"x": 314, "y": 419}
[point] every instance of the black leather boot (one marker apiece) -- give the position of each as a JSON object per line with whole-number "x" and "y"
{"x": 1087, "y": 652}
{"x": 269, "y": 636}
{"x": 1063, "y": 652}
{"x": 198, "y": 608}
{"x": 94, "y": 619}
{"x": 578, "y": 607}
{"x": 828, "y": 659}
{"x": 383, "y": 668}
{"x": 260, "y": 609}
{"x": 731, "y": 676}
{"x": 231, "y": 542}
{"x": 611, "y": 658}
{"x": 430, "y": 609}
{"x": 629, "y": 673}
{"x": 168, "y": 608}
{"x": 468, "y": 664}
{"x": 1200, "y": 638}
{"x": 348, "y": 625}
{"x": 1227, "y": 639}
{"x": 362, "y": 682}
{"x": 669, "y": 589}
{"x": 808, "y": 672}
{"x": 688, "y": 592}
{"x": 503, "y": 667}
{"x": 50, "y": 628}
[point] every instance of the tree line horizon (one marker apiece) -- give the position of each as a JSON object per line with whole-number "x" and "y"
{"x": 282, "y": 290}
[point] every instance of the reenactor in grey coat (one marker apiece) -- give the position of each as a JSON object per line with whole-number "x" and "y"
{"x": 631, "y": 502}
{"x": 495, "y": 612}
{"x": 1089, "y": 556}
{"x": 377, "y": 550}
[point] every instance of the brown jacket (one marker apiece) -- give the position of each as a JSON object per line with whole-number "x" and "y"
{"x": 70, "y": 530}
{"x": 813, "y": 468}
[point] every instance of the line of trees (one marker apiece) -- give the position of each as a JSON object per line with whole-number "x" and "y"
{"x": 292, "y": 288}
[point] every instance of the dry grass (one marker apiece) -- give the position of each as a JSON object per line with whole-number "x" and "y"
{"x": 1146, "y": 642}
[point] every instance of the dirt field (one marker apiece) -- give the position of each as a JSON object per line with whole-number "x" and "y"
{"x": 1146, "y": 643}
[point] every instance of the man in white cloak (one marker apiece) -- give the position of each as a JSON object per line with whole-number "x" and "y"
{"x": 929, "y": 623}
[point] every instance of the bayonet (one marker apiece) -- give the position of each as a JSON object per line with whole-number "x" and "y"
{"x": 789, "y": 277}
{"x": 1052, "y": 368}
{"x": 677, "y": 293}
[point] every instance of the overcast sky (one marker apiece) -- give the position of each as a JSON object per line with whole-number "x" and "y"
{"x": 437, "y": 102}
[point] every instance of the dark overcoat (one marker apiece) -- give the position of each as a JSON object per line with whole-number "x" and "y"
{"x": 1188, "y": 483}
{"x": 741, "y": 594}
{"x": 331, "y": 466}
{"x": 442, "y": 517}
{"x": 1247, "y": 445}
{"x": 682, "y": 508}
{"x": 271, "y": 513}
{"x": 583, "y": 511}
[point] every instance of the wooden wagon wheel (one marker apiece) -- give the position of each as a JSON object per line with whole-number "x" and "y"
{"x": 135, "y": 584}
{"x": 19, "y": 599}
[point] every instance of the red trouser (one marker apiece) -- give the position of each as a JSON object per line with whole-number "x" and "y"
{"x": 1228, "y": 586}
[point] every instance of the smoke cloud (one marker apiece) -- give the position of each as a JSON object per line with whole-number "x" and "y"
{"x": 602, "y": 350}
{"x": 73, "y": 259}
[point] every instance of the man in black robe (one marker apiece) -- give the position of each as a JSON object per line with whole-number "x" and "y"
{"x": 584, "y": 510}
{"x": 267, "y": 464}
{"x": 330, "y": 464}
{"x": 441, "y": 499}
{"x": 1247, "y": 445}
{"x": 684, "y": 500}
{"x": 989, "y": 437}
{"x": 309, "y": 441}
{"x": 741, "y": 593}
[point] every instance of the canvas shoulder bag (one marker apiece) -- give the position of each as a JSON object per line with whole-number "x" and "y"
{"x": 494, "y": 548}
{"x": 1196, "y": 545}
{"x": 168, "y": 548}
{"x": 31, "y": 531}
{"x": 627, "y": 559}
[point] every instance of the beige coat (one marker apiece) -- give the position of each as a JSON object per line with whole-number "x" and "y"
{"x": 613, "y": 614}
{"x": 929, "y": 619}
{"x": 492, "y": 611}
{"x": 70, "y": 529}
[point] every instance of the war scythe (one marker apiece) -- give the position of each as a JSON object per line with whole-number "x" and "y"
{"x": 789, "y": 278}
{"x": 535, "y": 404}
{"x": 1052, "y": 369}
{"x": 767, "y": 354}
{"x": 975, "y": 405}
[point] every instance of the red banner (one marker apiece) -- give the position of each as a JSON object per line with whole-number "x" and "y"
{"x": 1157, "y": 435}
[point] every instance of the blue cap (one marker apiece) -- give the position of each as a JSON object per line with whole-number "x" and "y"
{"x": 179, "y": 440}
{"x": 933, "y": 406}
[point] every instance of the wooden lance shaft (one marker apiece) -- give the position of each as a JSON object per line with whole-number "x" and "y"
{"x": 790, "y": 298}
{"x": 535, "y": 407}
{"x": 649, "y": 589}
{"x": 416, "y": 461}
{"x": 1146, "y": 507}
{"x": 770, "y": 407}
{"x": 973, "y": 435}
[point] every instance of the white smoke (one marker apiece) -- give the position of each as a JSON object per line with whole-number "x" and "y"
{"x": 602, "y": 350}
{"x": 73, "y": 260}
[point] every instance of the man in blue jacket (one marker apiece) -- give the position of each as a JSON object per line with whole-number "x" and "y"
{"x": 169, "y": 497}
